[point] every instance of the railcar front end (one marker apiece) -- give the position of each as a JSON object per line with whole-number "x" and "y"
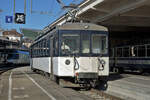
{"x": 75, "y": 51}
{"x": 83, "y": 55}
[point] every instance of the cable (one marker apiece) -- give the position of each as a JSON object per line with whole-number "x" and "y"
{"x": 101, "y": 65}
{"x": 61, "y": 3}
{"x": 76, "y": 63}
{"x": 14, "y": 7}
{"x": 25, "y": 7}
{"x": 52, "y": 6}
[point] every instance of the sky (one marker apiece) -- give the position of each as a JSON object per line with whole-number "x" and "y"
{"x": 34, "y": 20}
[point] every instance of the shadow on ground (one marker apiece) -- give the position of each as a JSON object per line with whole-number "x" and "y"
{"x": 5, "y": 68}
{"x": 115, "y": 76}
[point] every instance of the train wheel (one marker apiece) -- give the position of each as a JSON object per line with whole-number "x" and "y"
{"x": 47, "y": 75}
{"x": 85, "y": 86}
{"x": 33, "y": 70}
{"x": 88, "y": 87}
{"x": 55, "y": 78}
{"x": 102, "y": 85}
{"x": 121, "y": 70}
{"x": 141, "y": 71}
{"x": 116, "y": 70}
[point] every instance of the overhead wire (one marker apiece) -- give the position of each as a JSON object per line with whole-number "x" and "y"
{"x": 42, "y": 12}
{"x": 25, "y": 7}
{"x": 14, "y": 7}
{"x": 52, "y": 6}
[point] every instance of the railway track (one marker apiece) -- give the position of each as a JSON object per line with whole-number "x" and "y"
{"x": 99, "y": 95}
{"x": 105, "y": 95}
{"x": 5, "y": 68}
{"x": 93, "y": 93}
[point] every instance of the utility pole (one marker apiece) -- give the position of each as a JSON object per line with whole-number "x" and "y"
{"x": 31, "y": 7}
{"x": 61, "y": 3}
{"x": 0, "y": 16}
{"x": 1, "y": 10}
{"x": 25, "y": 7}
{"x": 15, "y": 7}
{"x": 19, "y": 18}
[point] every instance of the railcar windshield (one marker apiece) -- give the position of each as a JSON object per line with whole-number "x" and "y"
{"x": 83, "y": 43}
{"x": 70, "y": 44}
{"x": 99, "y": 44}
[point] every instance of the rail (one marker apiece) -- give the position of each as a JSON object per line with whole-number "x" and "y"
{"x": 105, "y": 96}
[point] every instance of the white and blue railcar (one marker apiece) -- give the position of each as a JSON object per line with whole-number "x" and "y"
{"x": 17, "y": 57}
{"x": 73, "y": 51}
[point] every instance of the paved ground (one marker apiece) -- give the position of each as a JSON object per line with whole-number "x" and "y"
{"x": 130, "y": 86}
{"x": 22, "y": 84}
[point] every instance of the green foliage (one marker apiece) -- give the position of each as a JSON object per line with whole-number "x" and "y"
{"x": 31, "y": 34}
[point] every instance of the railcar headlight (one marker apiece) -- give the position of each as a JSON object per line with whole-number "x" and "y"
{"x": 102, "y": 62}
{"x": 67, "y": 62}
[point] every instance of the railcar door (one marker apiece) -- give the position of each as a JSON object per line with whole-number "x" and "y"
{"x": 51, "y": 56}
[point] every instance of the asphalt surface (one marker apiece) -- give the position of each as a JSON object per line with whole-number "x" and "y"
{"x": 22, "y": 84}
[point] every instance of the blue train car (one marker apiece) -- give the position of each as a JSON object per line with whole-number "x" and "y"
{"x": 131, "y": 58}
{"x": 16, "y": 57}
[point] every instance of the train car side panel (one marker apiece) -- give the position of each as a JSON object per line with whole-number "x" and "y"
{"x": 64, "y": 67}
{"x": 55, "y": 65}
{"x": 104, "y": 66}
{"x": 42, "y": 64}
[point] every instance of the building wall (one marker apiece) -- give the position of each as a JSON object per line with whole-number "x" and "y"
{"x": 14, "y": 38}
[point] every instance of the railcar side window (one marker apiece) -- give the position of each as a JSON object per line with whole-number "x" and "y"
{"x": 44, "y": 47}
{"x": 40, "y": 48}
{"x": 119, "y": 52}
{"x": 148, "y": 50}
{"x": 56, "y": 46}
{"x": 141, "y": 51}
{"x": 99, "y": 44}
{"x": 31, "y": 51}
{"x": 111, "y": 52}
{"x": 126, "y": 52}
{"x": 47, "y": 47}
{"x": 36, "y": 49}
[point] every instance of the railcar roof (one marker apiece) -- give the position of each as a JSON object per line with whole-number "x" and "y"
{"x": 82, "y": 26}
{"x": 76, "y": 26}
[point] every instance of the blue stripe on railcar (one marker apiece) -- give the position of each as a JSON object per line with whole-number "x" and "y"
{"x": 23, "y": 52}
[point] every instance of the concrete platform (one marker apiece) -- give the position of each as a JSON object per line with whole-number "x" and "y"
{"x": 130, "y": 87}
{"x": 22, "y": 84}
